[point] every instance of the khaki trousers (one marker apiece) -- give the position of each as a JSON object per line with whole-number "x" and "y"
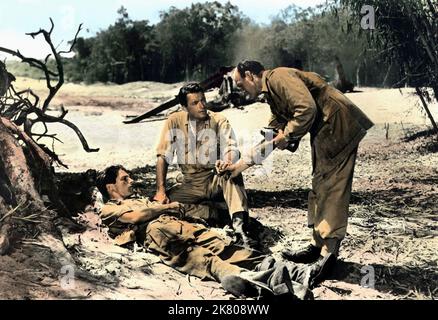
{"x": 329, "y": 202}
{"x": 206, "y": 186}
{"x": 196, "y": 250}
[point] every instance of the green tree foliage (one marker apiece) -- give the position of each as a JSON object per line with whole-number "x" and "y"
{"x": 127, "y": 51}
{"x": 311, "y": 39}
{"x": 407, "y": 35}
{"x": 195, "y": 41}
{"x": 191, "y": 43}
{"x": 185, "y": 44}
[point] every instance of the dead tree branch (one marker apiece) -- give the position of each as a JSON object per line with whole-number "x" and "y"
{"x": 16, "y": 107}
{"x": 426, "y": 108}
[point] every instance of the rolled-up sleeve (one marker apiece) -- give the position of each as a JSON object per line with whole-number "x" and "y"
{"x": 301, "y": 108}
{"x": 111, "y": 212}
{"x": 165, "y": 145}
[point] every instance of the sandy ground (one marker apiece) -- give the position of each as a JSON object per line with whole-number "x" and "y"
{"x": 392, "y": 236}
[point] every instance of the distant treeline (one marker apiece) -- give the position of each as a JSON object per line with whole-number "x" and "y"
{"x": 191, "y": 43}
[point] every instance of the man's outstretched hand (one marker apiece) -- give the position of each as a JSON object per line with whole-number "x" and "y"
{"x": 176, "y": 209}
{"x": 161, "y": 197}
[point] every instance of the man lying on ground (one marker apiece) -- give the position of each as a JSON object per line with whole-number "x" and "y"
{"x": 194, "y": 249}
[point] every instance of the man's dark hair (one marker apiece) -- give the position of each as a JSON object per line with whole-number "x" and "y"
{"x": 108, "y": 176}
{"x": 254, "y": 67}
{"x": 192, "y": 87}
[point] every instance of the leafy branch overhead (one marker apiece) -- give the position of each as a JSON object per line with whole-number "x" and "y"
{"x": 406, "y": 33}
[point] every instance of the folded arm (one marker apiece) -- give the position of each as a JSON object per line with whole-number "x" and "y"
{"x": 146, "y": 214}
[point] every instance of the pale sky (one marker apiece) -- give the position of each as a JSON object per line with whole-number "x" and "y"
{"x": 18, "y": 17}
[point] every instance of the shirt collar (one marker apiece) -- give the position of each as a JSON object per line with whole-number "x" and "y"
{"x": 264, "y": 79}
{"x": 131, "y": 197}
{"x": 206, "y": 121}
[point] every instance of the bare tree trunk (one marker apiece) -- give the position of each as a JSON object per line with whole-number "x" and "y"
{"x": 358, "y": 82}
{"x": 429, "y": 114}
{"x": 342, "y": 83}
{"x": 340, "y": 70}
{"x": 16, "y": 168}
{"x": 385, "y": 80}
{"x": 20, "y": 179}
{"x": 365, "y": 72}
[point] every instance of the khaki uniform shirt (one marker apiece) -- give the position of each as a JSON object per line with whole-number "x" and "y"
{"x": 303, "y": 102}
{"x": 114, "y": 209}
{"x": 196, "y": 152}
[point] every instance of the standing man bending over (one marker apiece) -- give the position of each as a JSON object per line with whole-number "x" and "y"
{"x": 302, "y": 102}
